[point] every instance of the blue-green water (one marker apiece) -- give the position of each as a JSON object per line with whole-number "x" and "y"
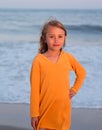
{"x": 19, "y": 41}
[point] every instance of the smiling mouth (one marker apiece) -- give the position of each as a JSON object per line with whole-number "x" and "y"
{"x": 56, "y": 44}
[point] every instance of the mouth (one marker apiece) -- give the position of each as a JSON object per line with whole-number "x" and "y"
{"x": 56, "y": 45}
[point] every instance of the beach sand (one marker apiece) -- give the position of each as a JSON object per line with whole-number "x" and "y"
{"x": 16, "y": 117}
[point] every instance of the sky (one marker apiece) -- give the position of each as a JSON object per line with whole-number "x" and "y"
{"x": 52, "y": 4}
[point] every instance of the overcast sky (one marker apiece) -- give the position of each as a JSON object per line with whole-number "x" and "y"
{"x": 64, "y": 4}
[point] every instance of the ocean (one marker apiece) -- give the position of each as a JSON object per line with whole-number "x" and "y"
{"x": 19, "y": 42}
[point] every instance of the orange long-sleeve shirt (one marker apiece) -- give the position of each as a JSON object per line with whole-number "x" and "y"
{"x": 50, "y": 85}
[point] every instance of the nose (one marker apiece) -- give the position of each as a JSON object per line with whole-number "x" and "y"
{"x": 56, "y": 39}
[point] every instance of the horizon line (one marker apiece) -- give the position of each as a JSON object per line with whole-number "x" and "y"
{"x": 50, "y": 8}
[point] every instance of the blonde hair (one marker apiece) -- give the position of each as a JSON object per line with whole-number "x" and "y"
{"x": 43, "y": 45}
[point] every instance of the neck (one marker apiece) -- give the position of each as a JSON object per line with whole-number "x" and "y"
{"x": 53, "y": 53}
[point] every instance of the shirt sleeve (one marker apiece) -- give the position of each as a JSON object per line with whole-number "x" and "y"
{"x": 35, "y": 88}
{"x": 80, "y": 73}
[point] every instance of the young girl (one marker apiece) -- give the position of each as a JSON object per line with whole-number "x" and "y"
{"x": 50, "y": 102}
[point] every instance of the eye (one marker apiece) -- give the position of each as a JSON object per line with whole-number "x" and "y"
{"x": 60, "y": 36}
{"x": 51, "y": 36}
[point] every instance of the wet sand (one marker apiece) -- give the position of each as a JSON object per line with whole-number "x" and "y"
{"x": 16, "y": 117}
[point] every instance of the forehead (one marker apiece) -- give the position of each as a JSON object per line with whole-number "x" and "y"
{"x": 54, "y": 29}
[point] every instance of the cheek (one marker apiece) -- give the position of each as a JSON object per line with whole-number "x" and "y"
{"x": 63, "y": 41}
{"x": 47, "y": 39}
{"x": 49, "y": 42}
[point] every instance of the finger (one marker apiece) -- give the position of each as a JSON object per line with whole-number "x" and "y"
{"x": 72, "y": 93}
{"x": 36, "y": 124}
{"x": 33, "y": 125}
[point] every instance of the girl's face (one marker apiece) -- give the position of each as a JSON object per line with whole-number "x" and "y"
{"x": 55, "y": 38}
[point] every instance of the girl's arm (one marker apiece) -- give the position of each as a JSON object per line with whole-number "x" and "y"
{"x": 80, "y": 73}
{"x": 34, "y": 122}
{"x": 72, "y": 93}
{"x": 35, "y": 89}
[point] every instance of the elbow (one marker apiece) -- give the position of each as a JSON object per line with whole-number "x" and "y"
{"x": 84, "y": 73}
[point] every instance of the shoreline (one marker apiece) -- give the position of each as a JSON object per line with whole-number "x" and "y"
{"x": 17, "y": 117}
